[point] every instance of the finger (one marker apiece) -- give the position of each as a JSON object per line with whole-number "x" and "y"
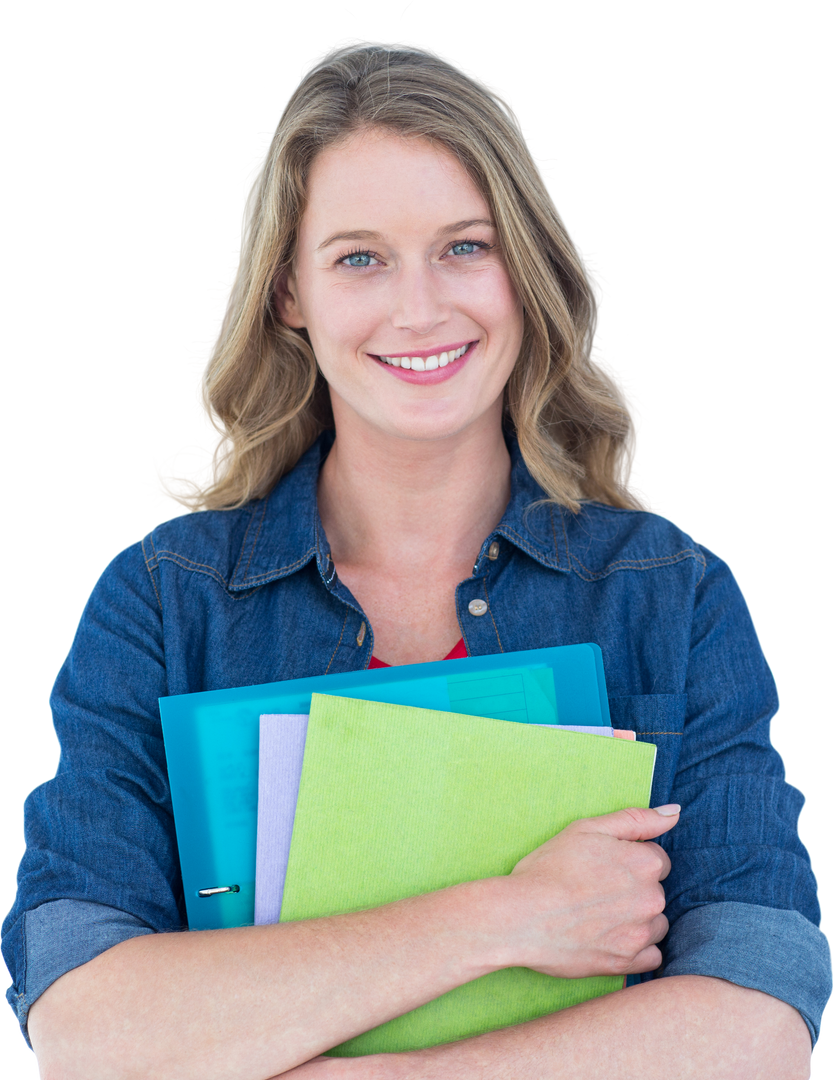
{"x": 666, "y": 862}
{"x": 659, "y": 928}
{"x": 632, "y": 823}
{"x": 649, "y": 959}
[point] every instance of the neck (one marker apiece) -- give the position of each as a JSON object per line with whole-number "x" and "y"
{"x": 383, "y": 498}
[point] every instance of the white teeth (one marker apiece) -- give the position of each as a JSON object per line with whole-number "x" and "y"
{"x": 418, "y": 363}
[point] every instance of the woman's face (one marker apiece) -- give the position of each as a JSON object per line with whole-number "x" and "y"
{"x": 403, "y": 290}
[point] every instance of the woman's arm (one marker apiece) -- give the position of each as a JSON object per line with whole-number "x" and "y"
{"x": 252, "y": 1001}
{"x": 681, "y": 1028}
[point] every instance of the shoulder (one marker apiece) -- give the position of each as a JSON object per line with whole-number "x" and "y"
{"x": 607, "y": 538}
{"x": 205, "y": 542}
{"x": 611, "y": 530}
{"x": 203, "y": 529}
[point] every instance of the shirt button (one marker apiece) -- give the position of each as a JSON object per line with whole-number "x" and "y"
{"x": 494, "y": 548}
{"x": 477, "y": 607}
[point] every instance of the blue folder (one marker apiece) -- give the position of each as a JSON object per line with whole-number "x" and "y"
{"x": 211, "y": 744}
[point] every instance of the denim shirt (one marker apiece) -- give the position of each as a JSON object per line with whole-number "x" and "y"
{"x": 228, "y": 598}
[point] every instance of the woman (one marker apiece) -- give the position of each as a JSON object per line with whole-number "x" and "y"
{"x": 407, "y": 285}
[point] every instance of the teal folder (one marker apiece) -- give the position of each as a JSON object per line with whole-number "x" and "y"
{"x": 211, "y": 745}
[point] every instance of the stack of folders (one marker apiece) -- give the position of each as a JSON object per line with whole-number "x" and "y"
{"x": 340, "y": 793}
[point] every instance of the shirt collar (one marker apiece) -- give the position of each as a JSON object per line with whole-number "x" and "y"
{"x": 285, "y": 532}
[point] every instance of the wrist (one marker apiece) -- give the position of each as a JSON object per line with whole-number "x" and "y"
{"x": 485, "y": 909}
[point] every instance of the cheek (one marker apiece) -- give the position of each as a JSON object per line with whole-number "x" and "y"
{"x": 492, "y": 301}
{"x": 505, "y": 300}
{"x": 343, "y": 319}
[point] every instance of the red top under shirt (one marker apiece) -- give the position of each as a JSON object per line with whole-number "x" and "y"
{"x": 457, "y": 653}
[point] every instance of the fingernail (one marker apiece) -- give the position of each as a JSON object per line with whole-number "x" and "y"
{"x": 669, "y": 810}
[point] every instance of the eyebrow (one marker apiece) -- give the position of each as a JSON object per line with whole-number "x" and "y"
{"x": 369, "y": 234}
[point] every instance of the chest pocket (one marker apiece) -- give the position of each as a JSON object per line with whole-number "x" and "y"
{"x": 658, "y": 719}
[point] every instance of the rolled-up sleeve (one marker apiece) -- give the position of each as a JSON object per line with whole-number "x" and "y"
{"x": 770, "y": 949}
{"x": 61, "y": 935}
{"x": 101, "y": 861}
{"x": 741, "y": 895}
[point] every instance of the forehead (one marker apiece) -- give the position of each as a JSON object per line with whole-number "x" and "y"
{"x": 379, "y": 180}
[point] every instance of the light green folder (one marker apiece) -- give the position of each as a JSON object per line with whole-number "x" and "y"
{"x": 395, "y": 801}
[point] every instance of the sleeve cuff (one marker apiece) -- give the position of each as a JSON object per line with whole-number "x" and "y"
{"x": 770, "y": 949}
{"x": 61, "y": 935}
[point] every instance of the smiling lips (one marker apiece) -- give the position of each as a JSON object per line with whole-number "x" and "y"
{"x": 426, "y": 363}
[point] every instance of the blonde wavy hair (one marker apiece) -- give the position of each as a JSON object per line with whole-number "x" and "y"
{"x": 262, "y": 385}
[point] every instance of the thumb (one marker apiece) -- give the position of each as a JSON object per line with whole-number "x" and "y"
{"x": 634, "y": 823}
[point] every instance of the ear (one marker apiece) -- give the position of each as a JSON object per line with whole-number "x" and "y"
{"x": 286, "y": 300}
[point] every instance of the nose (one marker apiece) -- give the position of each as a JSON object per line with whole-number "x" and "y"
{"x": 420, "y": 299}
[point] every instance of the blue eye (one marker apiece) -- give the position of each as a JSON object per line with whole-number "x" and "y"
{"x": 353, "y": 255}
{"x": 358, "y": 258}
{"x": 465, "y": 247}
{"x": 478, "y": 244}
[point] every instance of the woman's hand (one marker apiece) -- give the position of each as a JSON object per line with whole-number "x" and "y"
{"x": 589, "y": 901}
